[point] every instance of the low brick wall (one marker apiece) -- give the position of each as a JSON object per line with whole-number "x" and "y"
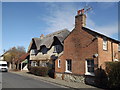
{"x": 70, "y": 77}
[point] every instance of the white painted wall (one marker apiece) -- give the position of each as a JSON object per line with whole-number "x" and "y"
{"x": 47, "y": 56}
{"x": 1, "y": 58}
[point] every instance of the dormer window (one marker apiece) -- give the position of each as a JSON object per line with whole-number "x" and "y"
{"x": 57, "y": 49}
{"x": 33, "y": 52}
{"x": 104, "y": 44}
{"x": 44, "y": 50}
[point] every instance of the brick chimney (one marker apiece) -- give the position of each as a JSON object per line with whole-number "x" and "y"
{"x": 80, "y": 19}
{"x": 42, "y": 36}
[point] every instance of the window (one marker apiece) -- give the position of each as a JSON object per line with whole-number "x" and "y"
{"x": 119, "y": 47}
{"x": 44, "y": 50}
{"x": 59, "y": 62}
{"x": 3, "y": 64}
{"x": 33, "y": 63}
{"x": 104, "y": 44}
{"x": 68, "y": 65}
{"x": 44, "y": 64}
{"x": 89, "y": 67}
{"x": 33, "y": 52}
{"x": 57, "y": 48}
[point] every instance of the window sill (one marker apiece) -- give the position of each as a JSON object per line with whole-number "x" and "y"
{"x": 115, "y": 60}
{"x": 105, "y": 50}
{"x": 59, "y": 67}
{"x": 90, "y": 74}
{"x": 68, "y": 72}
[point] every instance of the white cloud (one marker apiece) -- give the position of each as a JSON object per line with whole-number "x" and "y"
{"x": 60, "y": 17}
{"x": 64, "y": 17}
{"x": 107, "y": 29}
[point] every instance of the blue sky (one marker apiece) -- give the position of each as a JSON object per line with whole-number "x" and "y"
{"x": 21, "y": 21}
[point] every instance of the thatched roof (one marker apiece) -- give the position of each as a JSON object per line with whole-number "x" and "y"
{"x": 49, "y": 39}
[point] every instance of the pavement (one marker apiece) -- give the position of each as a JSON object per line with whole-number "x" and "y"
{"x": 74, "y": 85}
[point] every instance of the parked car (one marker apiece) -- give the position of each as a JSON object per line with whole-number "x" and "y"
{"x": 3, "y": 66}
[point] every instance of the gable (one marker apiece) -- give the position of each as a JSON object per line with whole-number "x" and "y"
{"x": 80, "y": 33}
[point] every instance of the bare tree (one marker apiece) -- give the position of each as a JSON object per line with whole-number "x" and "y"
{"x": 13, "y": 55}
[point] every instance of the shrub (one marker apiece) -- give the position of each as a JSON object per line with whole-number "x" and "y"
{"x": 40, "y": 71}
{"x": 101, "y": 78}
{"x": 33, "y": 70}
{"x": 51, "y": 73}
{"x": 113, "y": 71}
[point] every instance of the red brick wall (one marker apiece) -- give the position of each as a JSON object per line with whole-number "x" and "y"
{"x": 119, "y": 55}
{"x": 115, "y": 51}
{"x": 75, "y": 49}
{"x": 105, "y": 56}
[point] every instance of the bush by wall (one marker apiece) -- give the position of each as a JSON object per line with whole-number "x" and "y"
{"x": 51, "y": 72}
{"x": 40, "y": 71}
{"x": 113, "y": 71}
{"x": 101, "y": 79}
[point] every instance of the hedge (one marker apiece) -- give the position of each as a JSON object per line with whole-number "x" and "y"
{"x": 113, "y": 72}
{"x": 38, "y": 70}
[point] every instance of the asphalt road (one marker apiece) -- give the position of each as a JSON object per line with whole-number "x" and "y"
{"x": 10, "y": 80}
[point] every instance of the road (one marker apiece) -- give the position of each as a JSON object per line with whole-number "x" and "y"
{"x": 10, "y": 80}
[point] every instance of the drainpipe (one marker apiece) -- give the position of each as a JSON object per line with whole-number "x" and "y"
{"x": 112, "y": 50}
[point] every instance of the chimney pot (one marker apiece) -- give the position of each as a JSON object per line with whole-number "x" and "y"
{"x": 80, "y": 11}
{"x": 80, "y": 19}
{"x": 42, "y": 36}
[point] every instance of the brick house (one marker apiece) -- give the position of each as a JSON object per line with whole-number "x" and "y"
{"x": 84, "y": 51}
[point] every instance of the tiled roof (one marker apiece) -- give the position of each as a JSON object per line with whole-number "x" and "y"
{"x": 23, "y": 57}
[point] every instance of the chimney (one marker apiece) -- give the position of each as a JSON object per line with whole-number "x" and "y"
{"x": 42, "y": 36}
{"x": 80, "y": 19}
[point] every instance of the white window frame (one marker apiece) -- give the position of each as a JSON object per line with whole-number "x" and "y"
{"x": 116, "y": 60}
{"x": 33, "y": 52}
{"x": 105, "y": 44}
{"x": 86, "y": 66}
{"x": 56, "y": 48}
{"x": 59, "y": 63}
{"x": 67, "y": 70}
{"x": 33, "y": 63}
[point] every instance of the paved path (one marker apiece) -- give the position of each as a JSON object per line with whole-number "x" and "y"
{"x": 11, "y": 80}
{"x": 56, "y": 81}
